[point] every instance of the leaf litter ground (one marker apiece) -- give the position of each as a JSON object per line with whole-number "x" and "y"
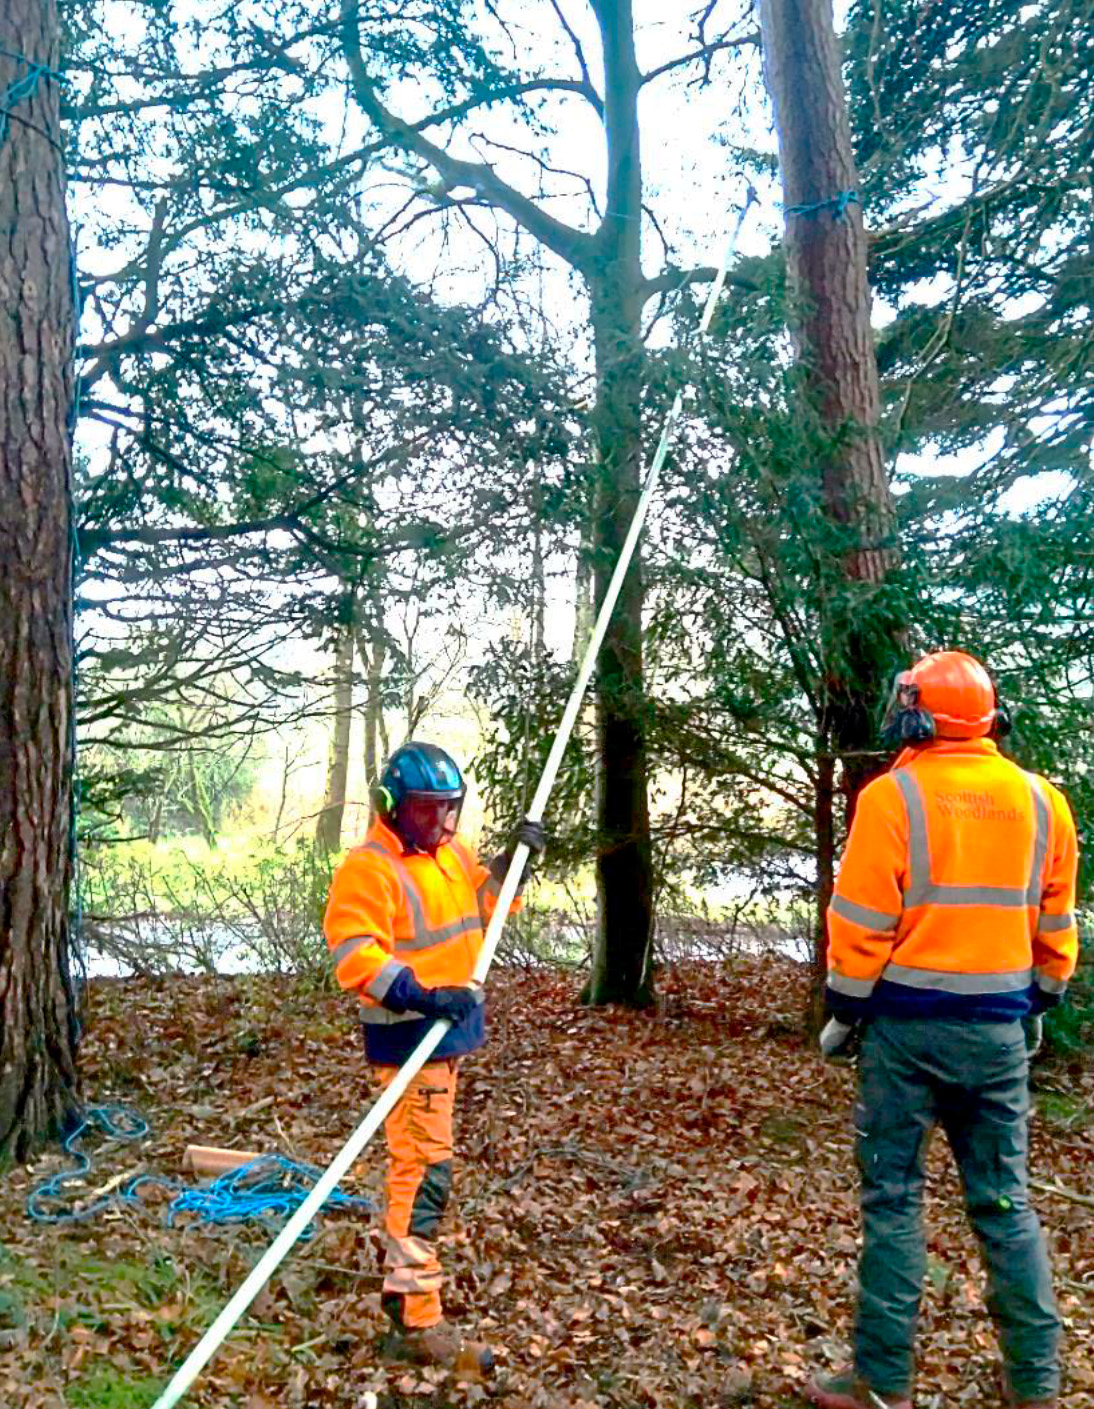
{"x": 652, "y": 1209}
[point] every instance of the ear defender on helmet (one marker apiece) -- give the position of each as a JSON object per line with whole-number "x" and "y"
{"x": 906, "y": 722}
{"x": 383, "y": 800}
{"x": 909, "y": 727}
{"x": 1003, "y": 723}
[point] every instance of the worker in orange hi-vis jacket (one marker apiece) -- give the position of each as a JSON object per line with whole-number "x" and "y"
{"x": 951, "y": 931}
{"x": 404, "y": 924}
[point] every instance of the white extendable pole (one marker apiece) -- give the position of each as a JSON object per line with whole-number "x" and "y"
{"x": 260, "y": 1274}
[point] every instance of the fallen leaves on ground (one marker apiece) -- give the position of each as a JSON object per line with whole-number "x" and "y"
{"x": 652, "y": 1209}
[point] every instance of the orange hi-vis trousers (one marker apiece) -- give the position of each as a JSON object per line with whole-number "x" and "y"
{"x": 419, "y": 1180}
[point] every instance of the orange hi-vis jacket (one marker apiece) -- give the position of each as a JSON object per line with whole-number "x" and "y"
{"x": 391, "y": 910}
{"x": 956, "y": 893}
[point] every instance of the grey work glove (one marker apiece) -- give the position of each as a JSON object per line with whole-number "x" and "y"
{"x": 837, "y": 1041}
{"x": 1033, "y": 1025}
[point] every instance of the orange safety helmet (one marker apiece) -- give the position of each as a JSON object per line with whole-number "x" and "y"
{"x": 946, "y": 695}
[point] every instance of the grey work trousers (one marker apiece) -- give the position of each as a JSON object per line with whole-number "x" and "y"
{"x": 972, "y": 1079}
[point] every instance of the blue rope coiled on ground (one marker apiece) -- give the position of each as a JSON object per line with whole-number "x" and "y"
{"x": 266, "y": 1190}
{"x": 270, "y": 1188}
{"x": 116, "y": 1123}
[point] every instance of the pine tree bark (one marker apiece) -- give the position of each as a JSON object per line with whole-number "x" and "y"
{"x": 328, "y": 829}
{"x": 38, "y": 1077}
{"x": 825, "y": 245}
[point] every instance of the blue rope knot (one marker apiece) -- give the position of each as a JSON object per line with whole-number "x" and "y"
{"x": 837, "y": 204}
{"x": 23, "y": 88}
{"x": 264, "y": 1190}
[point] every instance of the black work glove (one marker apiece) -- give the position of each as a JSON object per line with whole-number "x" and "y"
{"x": 534, "y": 837}
{"x": 452, "y": 1004}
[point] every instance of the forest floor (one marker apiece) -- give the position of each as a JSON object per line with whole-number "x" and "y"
{"x": 654, "y": 1209}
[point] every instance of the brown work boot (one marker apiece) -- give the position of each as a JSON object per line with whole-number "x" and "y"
{"x": 441, "y": 1345}
{"x": 845, "y": 1390}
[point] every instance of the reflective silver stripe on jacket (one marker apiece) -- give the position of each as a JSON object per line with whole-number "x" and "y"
{"x": 946, "y": 981}
{"x": 469, "y": 925}
{"x": 382, "y": 1016}
{"x": 1040, "y": 846}
{"x": 410, "y": 891}
{"x": 1055, "y": 924}
{"x": 921, "y": 890}
{"x": 350, "y": 946}
{"x": 423, "y": 937}
{"x": 1047, "y": 984}
{"x": 852, "y": 987}
{"x": 877, "y": 921}
{"x": 384, "y": 979}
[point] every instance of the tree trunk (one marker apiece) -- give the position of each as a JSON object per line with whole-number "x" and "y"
{"x": 286, "y": 774}
{"x": 824, "y": 834}
{"x": 826, "y": 268}
{"x": 328, "y": 830}
{"x": 624, "y": 871}
{"x": 373, "y": 651}
{"x": 38, "y": 1079}
{"x": 584, "y": 590}
{"x": 199, "y": 805}
{"x": 538, "y": 583}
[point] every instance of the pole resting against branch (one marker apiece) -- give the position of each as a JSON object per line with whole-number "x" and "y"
{"x": 264, "y": 1269}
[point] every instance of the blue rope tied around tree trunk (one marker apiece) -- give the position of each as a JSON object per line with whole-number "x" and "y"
{"x": 264, "y": 1190}
{"x": 23, "y": 88}
{"x": 837, "y": 204}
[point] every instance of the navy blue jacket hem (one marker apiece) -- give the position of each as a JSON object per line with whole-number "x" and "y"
{"x": 389, "y": 1044}
{"x": 896, "y": 1000}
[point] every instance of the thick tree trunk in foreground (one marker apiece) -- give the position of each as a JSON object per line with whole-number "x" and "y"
{"x": 328, "y": 830}
{"x": 826, "y": 267}
{"x": 624, "y": 865}
{"x": 38, "y": 1081}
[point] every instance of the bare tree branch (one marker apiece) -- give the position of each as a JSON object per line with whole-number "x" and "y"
{"x": 706, "y": 53}
{"x": 574, "y": 246}
{"x": 578, "y": 50}
{"x": 670, "y": 279}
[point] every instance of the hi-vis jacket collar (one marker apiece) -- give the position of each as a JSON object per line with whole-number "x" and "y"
{"x": 390, "y": 840}
{"x": 951, "y": 748}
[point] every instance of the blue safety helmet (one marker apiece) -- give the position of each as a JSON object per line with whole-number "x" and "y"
{"x": 420, "y": 795}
